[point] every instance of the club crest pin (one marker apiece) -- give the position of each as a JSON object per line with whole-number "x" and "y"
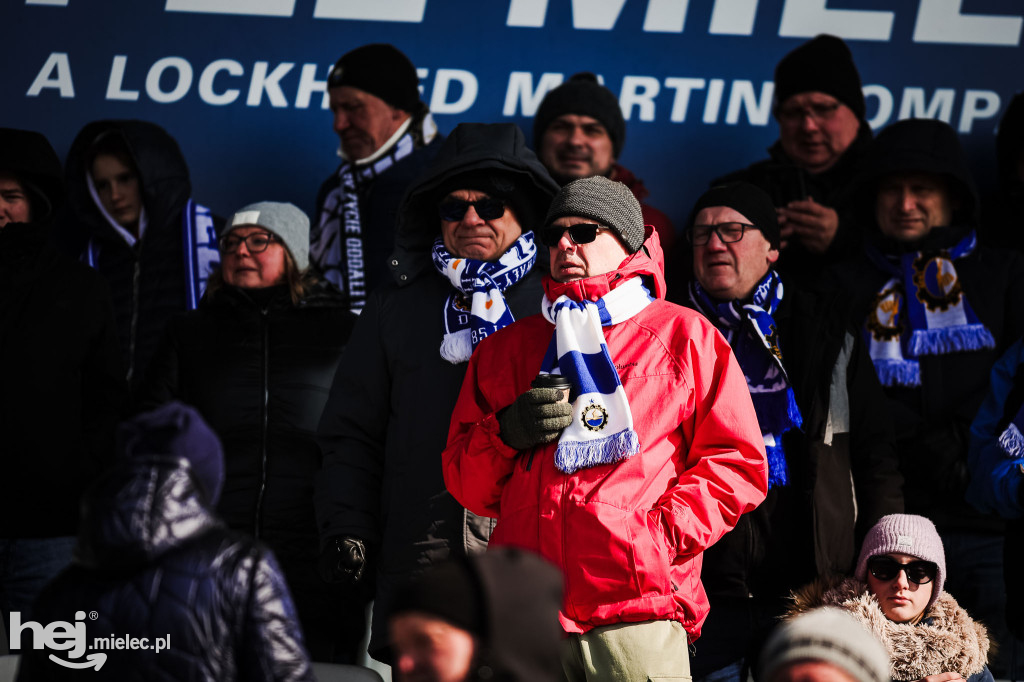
{"x": 594, "y": 417}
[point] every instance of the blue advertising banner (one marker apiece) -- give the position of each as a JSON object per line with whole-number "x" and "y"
{"x": 241, "y": 84}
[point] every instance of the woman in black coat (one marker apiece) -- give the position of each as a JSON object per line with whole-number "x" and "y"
{"x": 257, "y": 359}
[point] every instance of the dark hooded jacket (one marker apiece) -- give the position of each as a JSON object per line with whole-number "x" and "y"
{"x": 61, "y": 380}
{"x": 147, "y": 280}
{"x": 1003, "y": 210}
{"x": 933, "y": 421}
{"x": 386, "y": 420}
{"x": 153, "y": 562}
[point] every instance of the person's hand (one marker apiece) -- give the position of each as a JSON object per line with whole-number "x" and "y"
{"x": 537, "y": 416}
{"x": 343, "y": 560}
{"x": 809, "y": 222}
{"x": 941, "y": 677}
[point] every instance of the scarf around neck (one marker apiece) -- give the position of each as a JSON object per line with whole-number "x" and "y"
{"x": 483, "y": 283}
{"x": 935, "y": 319}
{"x": 601, "y": 431}
{"x": 751, "y": 330}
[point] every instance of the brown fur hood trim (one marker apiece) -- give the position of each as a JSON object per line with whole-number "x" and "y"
{"x": 947, "y": 640}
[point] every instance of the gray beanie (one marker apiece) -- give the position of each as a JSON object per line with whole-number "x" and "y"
{"x": 830, "y": 635}
{"x": 608, "y": 202}
{"x": 904, "y": 534}
{"x": 287, "y": 221}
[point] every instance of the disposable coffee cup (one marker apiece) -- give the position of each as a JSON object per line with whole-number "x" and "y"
{"x": 556, "y": 381}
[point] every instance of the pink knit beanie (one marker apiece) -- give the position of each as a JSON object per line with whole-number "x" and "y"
{"x": 904, "y": 534}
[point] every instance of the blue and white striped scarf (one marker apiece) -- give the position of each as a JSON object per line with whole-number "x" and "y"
{"x": 483, "y": 282}
{"x": 1011, "y": 440}
{"x": 935, "y": 320}
{"x": 602, "y": 426}
{"x": 751, "y": 331}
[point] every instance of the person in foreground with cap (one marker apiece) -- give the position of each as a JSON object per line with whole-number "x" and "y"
{"x": 896, "y": 594}
{"x": 822, "y": 415}
{"x": 257, "y": 360}
{"x": 465, "y": 266}
{"x": 579, "y": 132}
{"x": 388, "y": 138}
{"x": 824, "y": 645}
{"x": 652, "y": 457}
{"x": 155, "y": 566}
{"x": 810, "y": 174}
{"x": 491, "y": 616}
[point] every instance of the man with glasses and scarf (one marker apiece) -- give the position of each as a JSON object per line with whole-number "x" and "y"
{"x": 822, "y": 415}
{"x": 388, "y": 138}
{"x": 651, "y": 457}
{"x": 465, "y": 265}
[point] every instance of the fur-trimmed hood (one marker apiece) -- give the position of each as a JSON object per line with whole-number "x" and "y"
{"x": 946, "y": 640}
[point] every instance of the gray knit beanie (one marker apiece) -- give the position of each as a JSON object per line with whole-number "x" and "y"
{"x": 287, "y": 221}
{"x": 608, "y": 202}
{"x": 904, "y": 534}
{"x": 830, "y": 635}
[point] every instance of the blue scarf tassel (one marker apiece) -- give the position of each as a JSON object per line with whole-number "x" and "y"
{"x": 571, "y": 456}
{"x": 898, "y": 373}
{"x": 950, "y": 340}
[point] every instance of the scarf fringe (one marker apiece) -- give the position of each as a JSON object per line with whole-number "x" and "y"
{"x": 571, "y": 456}
{"x": 778, "y": 471}
{"x": 1012, "y": 442}
{"x": 950, "y": 339}
{"x": 898, "y": 372}
{"x": 793, "y": 410}
{"x": 457, "y": 347}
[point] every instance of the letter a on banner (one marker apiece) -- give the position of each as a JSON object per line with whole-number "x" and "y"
{"x": 57, "y": 61}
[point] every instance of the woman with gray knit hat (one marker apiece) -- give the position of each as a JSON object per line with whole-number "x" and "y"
{"x": 257, "y": 359}
{"x": 896, "y": 593}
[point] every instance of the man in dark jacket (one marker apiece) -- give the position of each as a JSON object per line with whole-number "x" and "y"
{"x": 821, "y": 411}
{"x": 155, "y": 567}
{"x": 465, "y": 265}
{"x": 388, "y": 138}
{"x": 61, "y": 378}
{"x": 937, "y": 310}
{"x": 809, "y": 174}
{"x": 132, "y": 219}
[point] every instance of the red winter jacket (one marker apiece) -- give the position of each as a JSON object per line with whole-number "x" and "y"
{"x": 627, "y": 536}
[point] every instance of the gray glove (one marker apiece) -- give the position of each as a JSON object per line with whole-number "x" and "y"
{"x": 537, "y": 416}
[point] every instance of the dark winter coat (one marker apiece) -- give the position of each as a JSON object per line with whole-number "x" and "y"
{"x": 386, "y": 422}
{"x": 153, "y": 562}
{"x": 61, "y": 383}
{"x": 1003, "y": 210}
{"x": 147, "y": 281}
{"x": 843, "y": 473}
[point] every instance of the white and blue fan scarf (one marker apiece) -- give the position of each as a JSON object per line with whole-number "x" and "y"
{"x": 483, "y": 282}
{"x": 935, "y": 320}
{"x": 602, "y": 423}
{"x": 751, "y": 331}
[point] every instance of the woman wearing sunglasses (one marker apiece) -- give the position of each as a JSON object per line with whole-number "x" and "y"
{"x": 896, "y": 593}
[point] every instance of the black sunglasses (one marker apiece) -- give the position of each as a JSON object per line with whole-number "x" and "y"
{"x": 887, "y": 568}
{"x": 582, "y": 233}
{"x": 454, "y": 210}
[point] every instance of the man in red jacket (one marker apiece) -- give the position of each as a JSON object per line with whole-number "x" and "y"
{"x": 654, "y": 455}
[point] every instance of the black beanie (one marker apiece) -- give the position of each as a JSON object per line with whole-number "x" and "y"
{"x": 584, "y": 96}
{"x": 449, "y": 590}
{"x": 823, "y": 64}
{"x": 381, "y": 70}
{"x": 751, "y": 201}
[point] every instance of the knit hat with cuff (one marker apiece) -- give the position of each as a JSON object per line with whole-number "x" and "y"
{"x": 284, "y": 220}
{"x": 381, "y": 70}
{"x": 752, "y": 202}
{"x": 584, "y": 96}
{"x": 822, "y": 64}
{"x": 904, "y": 534}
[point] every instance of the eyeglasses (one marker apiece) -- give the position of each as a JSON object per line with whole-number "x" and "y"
{"x": 887, "y": 568}
{"x": 819, "y": 112}
{"x": 581, "y": 233}
{"x": 257, "y": 242}
{"x": 454, "y": 210}
{"x": 699, "y": 235}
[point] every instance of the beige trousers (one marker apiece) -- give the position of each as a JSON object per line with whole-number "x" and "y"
{"x": 628, "y": 652}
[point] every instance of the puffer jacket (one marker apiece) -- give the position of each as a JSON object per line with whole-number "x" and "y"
{"x": 628, "y": 536}
{"x": 147, "y": 281}
{"x": 386, "y": 420}
{"x": 153, "y": 562}
{"x": 945, "y": 640}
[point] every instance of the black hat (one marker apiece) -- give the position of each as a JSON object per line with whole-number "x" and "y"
{"x": 584, "y": 96}
{"x": 29, "y": 156}
{"x": 747, "y": 199}
{"x": 823, "y": 64}
{"x": 381, "y": 70}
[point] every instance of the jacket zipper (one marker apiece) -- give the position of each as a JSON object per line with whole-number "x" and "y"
{"x": 258, "y": 520}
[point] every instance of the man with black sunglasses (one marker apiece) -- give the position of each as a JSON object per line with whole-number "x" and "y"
{"x": 832, "y": 465}
{"x": 651, "y": 457}
{"x": 465, "y": 266}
